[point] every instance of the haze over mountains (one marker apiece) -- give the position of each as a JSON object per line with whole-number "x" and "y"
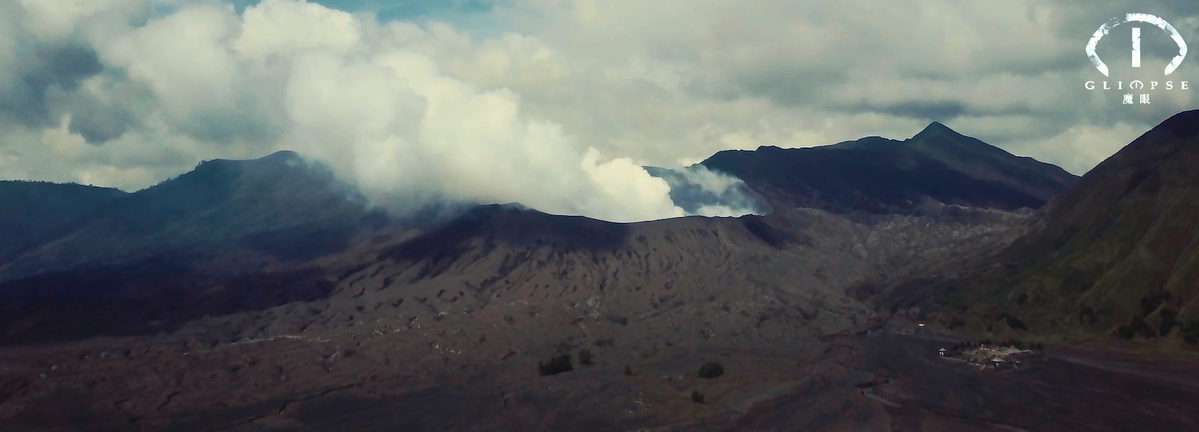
{"x": 254, "y": 287}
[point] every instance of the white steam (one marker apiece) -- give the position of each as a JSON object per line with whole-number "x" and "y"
{"x": 709, "y": 193}
{"x": 406, "y": 133}
{"x": 384, "y": 115}
{"x": 369, "y": 99}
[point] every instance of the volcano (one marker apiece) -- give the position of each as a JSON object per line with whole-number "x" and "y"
{"x": 266, "y": 295}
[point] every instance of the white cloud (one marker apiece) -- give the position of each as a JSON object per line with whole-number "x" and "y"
{"x": 183, "y": 58}
{"x": 557, "y": 112}
{"x": 413, "y": 132}
{"x": 1089, "y": 144}
{"x": 57, "y": 19}
{"x": 283, "y": 27}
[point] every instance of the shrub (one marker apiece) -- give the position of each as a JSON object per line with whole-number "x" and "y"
{"x": 1190, "y": 333}
{"x": 618, "y": 319}
{"x": 1169, "y": 320}
{"x": 1151, "y": 301}
{"x": 1015, "y": 323}
{"x": 1192, "y": 327}
{"x": 556, "y": 365}
{"x": 697, "y": 397}
{"x": 585, "y": 357}
{"x": 1137, "y": 326}
{"x": 1087, "y": 315}
{"x": 711, "y": 370}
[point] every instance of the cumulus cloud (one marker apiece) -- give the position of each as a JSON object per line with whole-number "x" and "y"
{"x": 801, "y": 74}
{"x": 370, "y": 99}
{"x": 560, "y": 107}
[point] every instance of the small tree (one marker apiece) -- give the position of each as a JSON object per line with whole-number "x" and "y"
{"x": 556, "y": 365}
{"x": 711, "y": 370}
{"x": 585, "y": 357}
{"x": 697, "y": 397}
{"x": 628, "y": 371}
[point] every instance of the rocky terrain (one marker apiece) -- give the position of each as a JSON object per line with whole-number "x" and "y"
{"x": 468, "y": 324}
{"x": 494, "y": 294}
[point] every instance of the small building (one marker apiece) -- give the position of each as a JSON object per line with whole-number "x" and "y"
{"x": 942, "y": 352}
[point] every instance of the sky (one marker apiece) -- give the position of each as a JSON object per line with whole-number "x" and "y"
{"x": 557, "y": 104}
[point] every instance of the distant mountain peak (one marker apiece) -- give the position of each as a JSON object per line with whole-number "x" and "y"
{"x": 286, "y": 157}
{"x": 279, "y": 159}
{"x": 937, "y": 135}
{"x": 880, "y": 175}
{"x": 282, "y": 155}
{"x": 937, "y": 128}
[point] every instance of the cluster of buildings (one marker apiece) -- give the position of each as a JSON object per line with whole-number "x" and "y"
{"x": 996, "y": 357}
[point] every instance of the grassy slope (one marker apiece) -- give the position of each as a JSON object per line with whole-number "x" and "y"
{"x": 1107, "y": 252}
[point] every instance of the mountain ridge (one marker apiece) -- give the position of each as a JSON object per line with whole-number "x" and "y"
{"x": 880, "y": 175}
{"x": 220, "y": 200}
{"x": 31, "y": 209}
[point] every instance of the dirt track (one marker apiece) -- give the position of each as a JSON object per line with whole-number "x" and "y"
{"x": 1060, "y": 393}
